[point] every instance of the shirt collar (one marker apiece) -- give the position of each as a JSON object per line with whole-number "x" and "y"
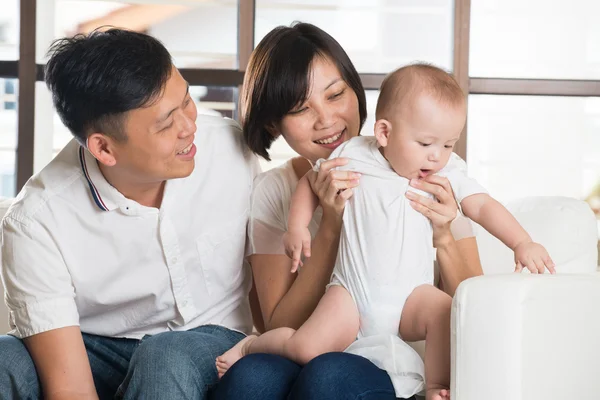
{"x": 106, "y": 197}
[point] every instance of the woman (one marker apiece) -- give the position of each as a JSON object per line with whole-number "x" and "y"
{"x": 301, "y": 84}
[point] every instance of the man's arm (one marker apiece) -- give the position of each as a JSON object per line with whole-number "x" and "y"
{"x": 40, "y": 295}
{"x": 62, "y": 364}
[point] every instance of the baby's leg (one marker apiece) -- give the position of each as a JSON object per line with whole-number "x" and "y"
{"x": 426, "y": 315}
{"x": 333, "y": 326}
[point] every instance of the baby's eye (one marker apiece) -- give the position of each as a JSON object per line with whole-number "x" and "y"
{"x": 424, "y": 144}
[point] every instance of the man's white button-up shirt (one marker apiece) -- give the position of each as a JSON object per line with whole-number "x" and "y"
{"x": 75, "y": 251}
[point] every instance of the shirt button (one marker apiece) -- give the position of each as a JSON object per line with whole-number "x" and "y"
{"x": 174, "y": 260}
{"x": 184, "y": 303}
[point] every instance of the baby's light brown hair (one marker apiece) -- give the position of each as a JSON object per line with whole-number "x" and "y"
{"x": 408, "y": 82}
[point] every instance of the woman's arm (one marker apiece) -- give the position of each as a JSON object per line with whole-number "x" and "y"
{"x": 457, "y": 260}
{"x": 286, "y": 299}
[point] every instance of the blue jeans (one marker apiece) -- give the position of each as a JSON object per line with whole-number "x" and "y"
{"x": 331, "y": 376}
{"x": 170, "y": 365}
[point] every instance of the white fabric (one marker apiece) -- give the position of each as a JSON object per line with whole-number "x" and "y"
{"x": 271, "y": 200}
{"x": 132, "y": 270}
{"x": 385, "y": 252}
{"x": 270, "y": 206}
{"x": 4, "y": 205}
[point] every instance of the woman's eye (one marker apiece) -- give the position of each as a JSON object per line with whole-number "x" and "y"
{"x": 335, "y": 96}
{"x": 298, "y": 111}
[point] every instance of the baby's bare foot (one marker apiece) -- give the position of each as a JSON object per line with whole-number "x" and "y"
{"x": 437, "y": 394}
{"x": 231, "y": 356}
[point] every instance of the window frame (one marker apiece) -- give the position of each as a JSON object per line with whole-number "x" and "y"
{"x": 28, "y": 72}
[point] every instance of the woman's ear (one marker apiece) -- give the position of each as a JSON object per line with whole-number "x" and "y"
{"x": 102, "y": 148}
{"x": 273, "y": 130}
{"x": 382, "y": 131}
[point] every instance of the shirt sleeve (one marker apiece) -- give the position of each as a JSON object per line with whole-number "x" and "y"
{"x": 268, "y": 215}
{"x": 38, "y": 289}
{"x": 462, "y": 227}
{"x": 462, "y": 185}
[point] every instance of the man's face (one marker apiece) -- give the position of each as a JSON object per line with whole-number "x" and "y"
{"x": 160, "y": 137}
{"x": 422, "y": 141}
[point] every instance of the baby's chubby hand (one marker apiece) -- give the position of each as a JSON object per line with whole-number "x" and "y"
{"x": 297, "y": 242}
{"x": 534, "y": 257}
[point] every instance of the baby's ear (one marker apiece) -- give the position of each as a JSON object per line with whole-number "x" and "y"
{"x": 382, "y": 131}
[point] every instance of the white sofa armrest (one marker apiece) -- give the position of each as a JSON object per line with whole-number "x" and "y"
{"x": 526, "y": 337}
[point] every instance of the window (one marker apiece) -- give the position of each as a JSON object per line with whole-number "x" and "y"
{"x": 8, "y": 136}
{"x": 535, "y": 39}
{"x": 9, "y": 30}
{"x": 187, "y": 28}
{"x": 378, "y": 36}
{"x": 534, "y": 145}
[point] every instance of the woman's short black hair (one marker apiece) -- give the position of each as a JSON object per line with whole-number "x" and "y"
{"x": 277, "y": 79}
{"x": 96, "y": 78}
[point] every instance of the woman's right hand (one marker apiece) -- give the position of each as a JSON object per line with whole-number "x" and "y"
{"x": 333, "y": 187}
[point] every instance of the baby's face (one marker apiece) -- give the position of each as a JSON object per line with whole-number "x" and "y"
{"x": 423, "y": 136}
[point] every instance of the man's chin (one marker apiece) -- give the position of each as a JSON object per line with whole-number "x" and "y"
{"x": 183, "y": 172}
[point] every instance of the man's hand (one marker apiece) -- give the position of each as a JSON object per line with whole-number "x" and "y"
{"x": 297, "y": 243}
{"x": 534, "y": 257}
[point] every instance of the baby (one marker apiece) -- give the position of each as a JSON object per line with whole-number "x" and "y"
{"x": 382, "y": 282}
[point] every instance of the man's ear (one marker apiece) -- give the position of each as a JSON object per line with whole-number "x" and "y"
{"x": 382, "y": 131}
{"x": 102, "y": 148}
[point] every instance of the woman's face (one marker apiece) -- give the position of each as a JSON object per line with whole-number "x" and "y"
{"x": 327, "y": 118}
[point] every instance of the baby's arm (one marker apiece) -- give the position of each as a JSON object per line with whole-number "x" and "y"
{"x": 297, "y": 238}
{"x": 497, "y": 220}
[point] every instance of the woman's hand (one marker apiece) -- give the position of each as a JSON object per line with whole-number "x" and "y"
{"x": 333, "y": 187}
{"x": 441, "y": 210}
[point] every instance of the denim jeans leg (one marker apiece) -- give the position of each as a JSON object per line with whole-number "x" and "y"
{"x": 257, "y": 377}
{"x": 109, "y": 360}
{"x": 18, "y": 377}
{"x": 177, "y": 365}
{"x": 337, "y": 376}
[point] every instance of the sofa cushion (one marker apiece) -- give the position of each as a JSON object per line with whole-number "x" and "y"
{"x": 566, "y": 226}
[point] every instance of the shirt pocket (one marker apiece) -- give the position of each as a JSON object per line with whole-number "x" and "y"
{"x": 221, "y": 255}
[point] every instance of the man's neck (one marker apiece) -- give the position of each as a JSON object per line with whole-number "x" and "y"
{"x": 146, "y": 194}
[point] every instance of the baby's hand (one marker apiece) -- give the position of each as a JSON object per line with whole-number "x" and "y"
{"x": 297, "y": 242}
{"x": 534, "y": 257}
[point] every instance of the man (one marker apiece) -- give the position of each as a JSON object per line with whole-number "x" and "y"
{"x": 122, "y": 259}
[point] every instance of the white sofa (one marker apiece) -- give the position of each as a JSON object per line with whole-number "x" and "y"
{"x": 525, "y": 337}
{"x": 532, "y": 337}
